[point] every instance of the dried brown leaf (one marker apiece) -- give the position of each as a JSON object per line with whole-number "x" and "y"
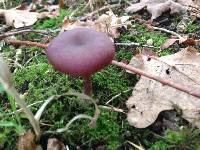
{"x": 157, "y": 7}
{"x": 107, "y": 23}
{"x": 149, "y": 97}
{"x": 188, "y": 42}
{"x": 168, "y": 43}
{"x": 21, "y": 17}
{"x": 27, "y": 142}
{"x": 184, "y": 41}
{"x": 55, "y": 144}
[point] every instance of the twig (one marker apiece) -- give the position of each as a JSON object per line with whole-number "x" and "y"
{"x": 185, "y": 88}
{"x": 28, "y": 43}
{"x": 142, "y": 21}
{"x": 113, "y": 109}
{"x": 114, "y": 97}
{"x": 136, "y": 146}
{"x": 167, "y": 31}
{"x": 4, "y": 35}
{"x": 135, "y": 44}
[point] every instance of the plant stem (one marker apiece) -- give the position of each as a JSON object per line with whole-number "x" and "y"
{"x": 12, "y": 91}
{"x": 28, "y": 43}
{"x": 87, "y": 85}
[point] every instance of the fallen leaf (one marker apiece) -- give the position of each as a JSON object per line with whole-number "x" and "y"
{"x": 26, "y": 17}
{"x": 168, "y": 43}
{"x": 107, "y": 23}
{"x": 27, "y": 142}
{"x": 184, "y": 41}
{"x": 150, "y": 97}
{"x": 19, "y": 18}
{"x": 157, "y": 7}
{"x": 55, "y": 144}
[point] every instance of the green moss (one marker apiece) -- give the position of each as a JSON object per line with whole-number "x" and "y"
{"x": 53, "y": 23}
{"x": 140, "y": 34}
{"x": 40, "y": 81}
{"x": 191, "y": 27}
{"x": 185, "y": 139}
{"x": 106, "y": 131}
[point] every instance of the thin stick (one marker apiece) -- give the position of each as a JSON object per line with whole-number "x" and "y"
{"x": 28, "y": 43}
{"x": 114, "y": 97}
{"x": 167, "y": 31}
{"x": 185, "y": 88}
{"x": 136, "y": 146}
{"x": 142, "y": 21}
{"x": 135, "y": 44}
{"x": 4, "y": 35}
{"x": 113, "y": 109}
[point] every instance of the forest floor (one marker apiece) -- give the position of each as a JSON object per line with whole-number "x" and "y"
{"x": 36, "y": 80}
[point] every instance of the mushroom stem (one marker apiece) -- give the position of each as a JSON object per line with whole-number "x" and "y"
{"x": 87, "y": 85}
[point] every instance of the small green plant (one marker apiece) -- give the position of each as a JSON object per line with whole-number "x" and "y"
{"x": 191, "y": 27}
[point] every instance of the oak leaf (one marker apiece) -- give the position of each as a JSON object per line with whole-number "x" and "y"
{"x": 157, "y": 7}
{"x": 21, "y": 18}
{"x": 150, "y": 97}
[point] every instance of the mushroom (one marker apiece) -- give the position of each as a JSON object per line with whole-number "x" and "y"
{"x": 81, "y": 52}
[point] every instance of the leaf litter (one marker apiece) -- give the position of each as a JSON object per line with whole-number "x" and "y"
{"x": 25, "y": 16}
{"x": 157, "y": 7}
{"x": 108, "y": 23}
{"x": 149, "y": 97}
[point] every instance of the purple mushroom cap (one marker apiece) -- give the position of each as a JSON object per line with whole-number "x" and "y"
{"x": 80, "y": 52}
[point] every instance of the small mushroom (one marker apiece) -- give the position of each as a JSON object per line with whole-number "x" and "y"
{"x": 81, "y": 52}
